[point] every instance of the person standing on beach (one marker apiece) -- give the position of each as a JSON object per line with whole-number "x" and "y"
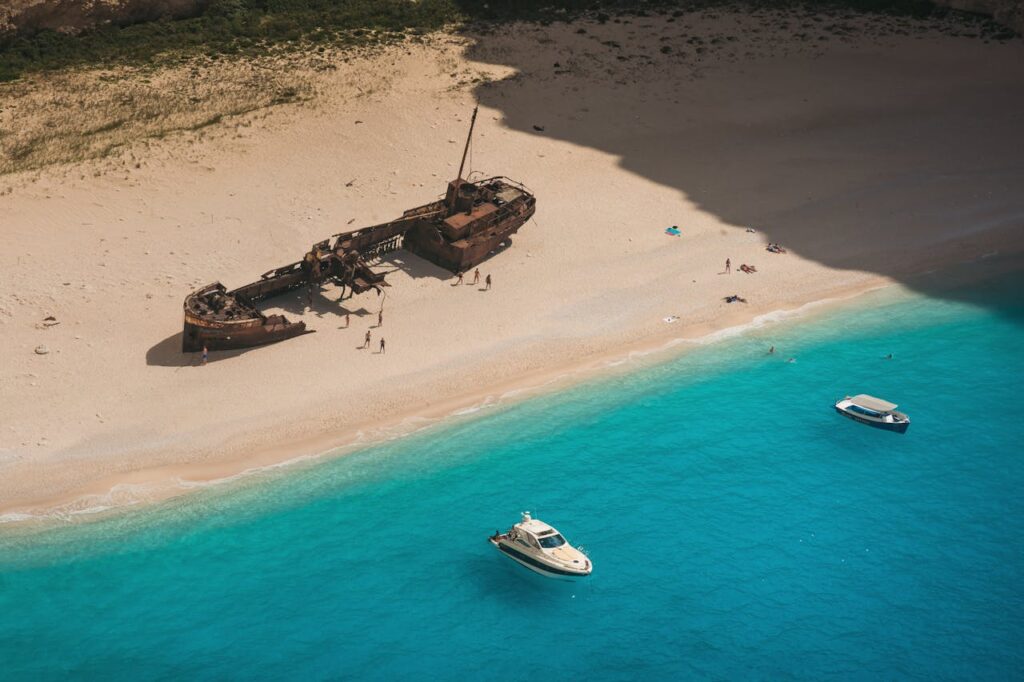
{"x": 380, "y": 318}
{"x": 728, "y": 266}
{"x": 206, "y": 354}
{"x": 346, "y": 320}
{"x": 476, "y": 277}
{"x": 459, "y": 280}
{"x": 382, "y": 345}
{"x": 487, "y": 283}
{"x": 366, "y": 343}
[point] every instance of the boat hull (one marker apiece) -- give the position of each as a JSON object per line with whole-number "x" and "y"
{"x": 536, "y": 565}
{"x": 427, "y": 242}
{"x": 895, "y": 427}
{"x": 224, "y": 337}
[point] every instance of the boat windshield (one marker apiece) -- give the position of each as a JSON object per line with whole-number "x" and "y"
{"x": 863, "y": 410}
{"x": 552, "y": 541}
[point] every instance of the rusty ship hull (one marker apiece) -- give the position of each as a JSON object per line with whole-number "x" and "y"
{"x": 457, "y": 232}
{"x": 487, "y": 214}
{"x": 220, "y": 320}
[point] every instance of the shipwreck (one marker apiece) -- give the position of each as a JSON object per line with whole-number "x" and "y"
{"x": 456, "y": 233}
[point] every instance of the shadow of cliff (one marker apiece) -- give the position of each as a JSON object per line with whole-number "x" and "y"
{"x": 857, "y": 156}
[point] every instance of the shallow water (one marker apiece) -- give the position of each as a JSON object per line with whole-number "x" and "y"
{"x": 739, "y": 529}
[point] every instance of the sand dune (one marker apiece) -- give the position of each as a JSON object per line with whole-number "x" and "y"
{"x": 871, "y": 158}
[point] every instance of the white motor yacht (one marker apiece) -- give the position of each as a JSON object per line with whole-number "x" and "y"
{"x": 541, "y": 548}
{"x": 874, "y": 412}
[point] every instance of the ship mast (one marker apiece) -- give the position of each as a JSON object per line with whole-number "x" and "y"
{"x": 458, "y": 179}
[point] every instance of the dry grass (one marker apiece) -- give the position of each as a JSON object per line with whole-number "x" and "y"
{"x": 74, "y": 116}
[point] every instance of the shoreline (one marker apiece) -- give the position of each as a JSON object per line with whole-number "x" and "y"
{"x": 850, "y": 181}
{"x": 124, "y": 493}
{"x": 127, "y": 493}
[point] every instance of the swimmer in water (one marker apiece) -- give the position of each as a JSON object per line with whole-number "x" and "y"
{"x": 791, "y": 360}
{"x": 889, "y": 356}
{"x": 771, "y": 351}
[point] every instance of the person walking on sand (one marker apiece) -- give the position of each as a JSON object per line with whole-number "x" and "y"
{"x": 728, "y": 266}
{"x": 459, "y": 280}
{"x": 476, "y": 277}
{"x": 206, "y": 354}
{"x": 487, "y": 283}
{"x": 380, "y": 318}
{"x": 366, "y": 342}
{"x": 346, "y": 320}
{"x": 382, "y": 345}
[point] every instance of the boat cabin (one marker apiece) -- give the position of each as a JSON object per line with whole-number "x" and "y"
{"x": 537, "y": 534}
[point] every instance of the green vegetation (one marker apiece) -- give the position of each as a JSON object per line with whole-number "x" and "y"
{"x": 227, "y": 27}
{"x": 250, "y": 27}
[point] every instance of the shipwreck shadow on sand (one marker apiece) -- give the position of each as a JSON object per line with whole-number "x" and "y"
{"x": 830, "y": 151}
{"x": 417, "y": 267}
{"x": 295, "y": 304}
{"x": 409, "y": 263}
{"x": 168, "y": 353}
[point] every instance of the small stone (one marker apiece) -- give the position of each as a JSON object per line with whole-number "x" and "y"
{"x": 42, "y": 350}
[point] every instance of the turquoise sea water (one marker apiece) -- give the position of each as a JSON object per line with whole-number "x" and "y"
{"x": 739, "y": 528}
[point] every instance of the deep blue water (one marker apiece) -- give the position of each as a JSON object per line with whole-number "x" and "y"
{"x": 739, "y": 528}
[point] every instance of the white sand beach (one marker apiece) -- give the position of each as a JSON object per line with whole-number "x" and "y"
{"x": 870, "y": 158}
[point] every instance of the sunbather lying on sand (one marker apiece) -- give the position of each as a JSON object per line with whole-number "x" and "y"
{"x": 734, "y": 298}
{"x": 748, "y": 268}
